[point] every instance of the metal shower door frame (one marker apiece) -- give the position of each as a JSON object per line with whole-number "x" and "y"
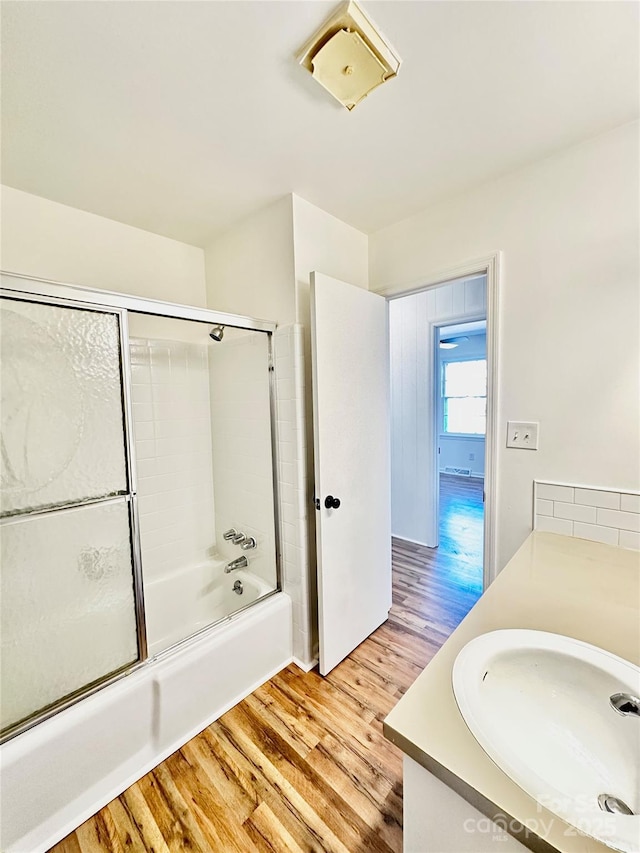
{"x": 28, "y": 289}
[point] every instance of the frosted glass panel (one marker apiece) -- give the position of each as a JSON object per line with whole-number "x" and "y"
{"x": 68, "y": 615}
{"x": 61, "y": 410}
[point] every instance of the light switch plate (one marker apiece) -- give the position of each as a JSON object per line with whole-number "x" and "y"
{"x": 523, "y": 434}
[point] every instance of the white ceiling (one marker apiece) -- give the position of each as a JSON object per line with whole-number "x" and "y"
{"x": 181, "y": 117}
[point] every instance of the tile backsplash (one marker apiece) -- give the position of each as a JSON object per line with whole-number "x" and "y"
{"x": 602, "y": 515}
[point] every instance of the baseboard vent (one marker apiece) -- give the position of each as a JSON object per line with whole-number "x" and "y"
{"x": 461, "y": 472}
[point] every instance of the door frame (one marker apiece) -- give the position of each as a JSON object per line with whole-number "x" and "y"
{"x": 488, "y": 265}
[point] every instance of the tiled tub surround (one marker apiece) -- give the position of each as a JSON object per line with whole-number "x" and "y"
{"x": 201, "y": 421}
{"x": 602, "y": 515}
{"x": 172, "y": 427}
{"x": 195, "y": 412}
{"x": 294, "y": 489}
{"x": 241, "y": 449}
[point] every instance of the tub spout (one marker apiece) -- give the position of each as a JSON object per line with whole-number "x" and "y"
{"x": 238, "y": 563}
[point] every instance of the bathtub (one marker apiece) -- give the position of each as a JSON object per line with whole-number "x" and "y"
{"x": 62, "y": 771}
{"x": 186, "y": 601}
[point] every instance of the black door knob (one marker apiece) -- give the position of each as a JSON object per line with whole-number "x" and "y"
{"x": 331, "y": 503}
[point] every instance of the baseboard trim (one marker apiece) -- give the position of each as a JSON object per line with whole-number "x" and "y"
{"x": 473, "y": 476}
{"x": 305, "y": 667}
{"x": 412, "y": 541}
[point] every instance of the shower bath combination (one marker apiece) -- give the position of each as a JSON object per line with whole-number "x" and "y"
{"x": 120, "y": 486}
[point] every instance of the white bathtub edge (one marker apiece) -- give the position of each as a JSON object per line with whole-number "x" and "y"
{"x": 46, "y": 834}
{"x": 305, "y": 666}
{"x": 100, "y": 803}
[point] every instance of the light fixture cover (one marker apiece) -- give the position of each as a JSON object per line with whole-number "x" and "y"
{"x": 451, "y": 343}
{"x": 349, "y": 57}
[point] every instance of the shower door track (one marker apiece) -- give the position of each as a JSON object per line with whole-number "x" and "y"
{"x": 110, "y": 299}
{"x": 30, "y": 289}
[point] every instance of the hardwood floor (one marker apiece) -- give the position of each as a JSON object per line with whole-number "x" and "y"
{"x": 301, "y": 764}
{"x": 461, "y": 530}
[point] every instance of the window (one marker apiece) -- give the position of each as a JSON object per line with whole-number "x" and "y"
{"x": 464, "y": 396}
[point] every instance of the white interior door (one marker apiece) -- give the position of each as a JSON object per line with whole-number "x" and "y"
{"x": 350, "y": 359}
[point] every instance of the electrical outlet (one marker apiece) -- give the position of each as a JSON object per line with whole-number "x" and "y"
{"x": 472, "y": 457}
{"x": 523, "y": 434}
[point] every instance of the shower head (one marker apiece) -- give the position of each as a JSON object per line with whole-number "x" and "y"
{"x": 217, "y": 333}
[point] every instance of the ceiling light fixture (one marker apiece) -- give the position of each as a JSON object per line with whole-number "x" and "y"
{"x": 452, "y": 343}
{"x": 349, "y": 57}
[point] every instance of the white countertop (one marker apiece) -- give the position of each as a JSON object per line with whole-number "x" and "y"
{"x": 554, "y": 583}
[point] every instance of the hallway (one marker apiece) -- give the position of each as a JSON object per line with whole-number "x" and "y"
{"x": 301, "y": 764}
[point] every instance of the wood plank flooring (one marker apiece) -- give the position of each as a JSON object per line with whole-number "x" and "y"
{"x": 301, "y": 764}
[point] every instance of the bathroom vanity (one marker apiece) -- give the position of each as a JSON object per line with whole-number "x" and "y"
{"x": 456, "y": 799}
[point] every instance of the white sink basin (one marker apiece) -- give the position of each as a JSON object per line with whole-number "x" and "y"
{"x": 539, "y": 705}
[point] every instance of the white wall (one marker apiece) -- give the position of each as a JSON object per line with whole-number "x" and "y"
{"x": 413, "y": 479}
{"x": 261, "y": 267}
{"x": 324, "y": 244}
{"x": 569, "y": 314}
{"x": 250, "y": 268}
{"x": 458, "y": 451}
{"x": 44, "y": 239}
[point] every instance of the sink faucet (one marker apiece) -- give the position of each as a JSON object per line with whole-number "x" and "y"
{"x": 238, "y": 563}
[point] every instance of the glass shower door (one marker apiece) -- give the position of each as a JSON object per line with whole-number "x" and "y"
{"x": 68, "y": 603}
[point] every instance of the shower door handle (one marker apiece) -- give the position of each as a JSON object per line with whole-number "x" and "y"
{"x": 332, "y": 503}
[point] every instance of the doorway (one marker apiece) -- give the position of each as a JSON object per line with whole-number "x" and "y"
{"x": 460, "y": 390}
{"x": 438, "y": 367}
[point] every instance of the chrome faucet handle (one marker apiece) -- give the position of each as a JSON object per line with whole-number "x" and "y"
{"x": 229, "y": 534}
{"x": 238, "y": 538}
{"x": 248, "y": 544}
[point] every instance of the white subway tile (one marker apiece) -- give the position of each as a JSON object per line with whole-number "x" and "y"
{"x": 285, "y": 388}
{"x": 628, "y": 539}
{"x": 286, "y": 431}
{"x": 145, "y": 449}
{"x": 164, "y": 411}
{"x": 621, "y": 520}
{"x": 286, "y": 451}
{"x": 170, "y": 446}
{"x": 140, "y": 373}
{"x": 142, "y": 412}
{"x": 144, "y": 431}
{"x": 608, "y": 535}
{"x": 286, "y": 411}
{"x": 544, "y": 507}
{"x": 554, "y": 525}
{"x": 141, "y": 394}
{"x": 597, "y": 497}
{"x": 630, "y": 503}
{"x": 167, "y": 429}
{"x": 287, "y": 473}
{"x": 547, "y": 491}
{"x": 147, "y": 468}
{"x": 289, "y": 513}
{"x": 575, "y": 512}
